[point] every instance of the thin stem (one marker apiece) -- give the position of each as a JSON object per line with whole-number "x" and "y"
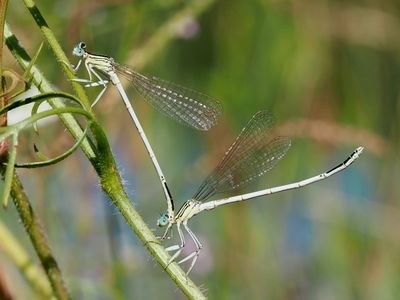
{"x": 3, "y": 9}
{"x": 17, "y": 254}
{"x": 111, "y": 183}
{"x": 9, "y": 172}
{"x": 4, "y": 99}
{"x": 38, "y": 239}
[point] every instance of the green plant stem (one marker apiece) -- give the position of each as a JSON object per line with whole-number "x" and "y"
{"x": 38, "y": 238}
{"x": 111, "y": 183}
{"x": 110, "y": 179}
{"x": 4, "y": 99}
{"x": 3, "y": 9}
{"x": 14, "y": 250}
{"x": 10, "y": 169}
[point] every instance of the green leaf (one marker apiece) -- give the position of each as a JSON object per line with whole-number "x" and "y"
{"x": 40, "y": 98}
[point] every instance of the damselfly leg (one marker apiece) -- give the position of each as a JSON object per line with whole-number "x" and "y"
{"x": 90, "y": 83}
{"x": 194, "y": 254}
{"x": 179, "y": 247}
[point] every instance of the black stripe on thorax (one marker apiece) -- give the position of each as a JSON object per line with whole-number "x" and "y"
{"x": 182, "y": 209}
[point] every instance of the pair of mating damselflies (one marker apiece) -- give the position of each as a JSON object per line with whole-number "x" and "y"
{"x": 255, "y": 151}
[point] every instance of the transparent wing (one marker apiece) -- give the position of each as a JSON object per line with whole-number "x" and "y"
{"x": 253, "y": 154}
{"x": 187, "y": 106}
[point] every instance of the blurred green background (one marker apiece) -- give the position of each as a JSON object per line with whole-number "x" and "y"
{"x": 330, "y": 73}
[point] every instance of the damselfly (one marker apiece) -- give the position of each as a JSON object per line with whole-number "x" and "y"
{"x": 255, "y": 152}
{"x": 186, "y": 106}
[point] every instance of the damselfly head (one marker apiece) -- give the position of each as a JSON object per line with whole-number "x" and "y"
{"x": 79, "y": 49}
{"x": 162, "y": 220}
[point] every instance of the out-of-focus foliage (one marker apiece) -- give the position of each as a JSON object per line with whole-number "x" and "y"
{"x": 330, "y": 73}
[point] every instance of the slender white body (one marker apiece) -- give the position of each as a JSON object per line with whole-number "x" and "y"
{"x": 193, "y": 207}
{"x": 215, "y": 203}
{"x": 115, "y": 80}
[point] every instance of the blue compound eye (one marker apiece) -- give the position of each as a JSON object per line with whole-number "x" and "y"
{"x": 163, "y": 220}
{"x": 79, "y": 49}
